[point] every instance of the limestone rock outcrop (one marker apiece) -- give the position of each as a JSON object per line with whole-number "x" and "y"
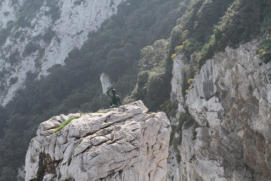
{"x": 117, "y": 144}
{"x": 229, "y": 136}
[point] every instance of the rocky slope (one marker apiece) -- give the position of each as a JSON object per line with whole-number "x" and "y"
{"x": 117, "y": 144}
{"x": 34, "y": 36}
{"x": 228, "y": 136}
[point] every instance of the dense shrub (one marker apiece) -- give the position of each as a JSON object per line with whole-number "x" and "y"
{"x": 264, "y": 51}
{"x": 152, "y": 82}
{"x": 241, "y": 23}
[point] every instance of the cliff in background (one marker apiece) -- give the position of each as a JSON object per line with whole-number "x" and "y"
{"x": 36, "y": 35}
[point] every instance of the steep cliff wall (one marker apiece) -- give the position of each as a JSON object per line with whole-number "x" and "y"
{"x": 117, "y": 144}
{"x": 36, "y": 35}
{"x": 230, "y": 102}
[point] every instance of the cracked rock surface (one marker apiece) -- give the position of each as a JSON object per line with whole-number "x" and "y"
{"x": 117, "y": 144}
{"x": 228, "y": 134}
{"x": 230, "y": 102}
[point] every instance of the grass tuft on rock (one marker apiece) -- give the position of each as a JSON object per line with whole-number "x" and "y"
{"x": 66, "y": 123}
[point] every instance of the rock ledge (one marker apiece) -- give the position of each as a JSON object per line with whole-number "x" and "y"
{"x": 118, "y": 144}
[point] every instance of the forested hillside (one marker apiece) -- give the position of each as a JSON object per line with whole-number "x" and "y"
{"x": 114, "y": 49}
{"x": 205, "y": 134}
{"x": 137, "y": 48}
{"x": 206, "y": 28}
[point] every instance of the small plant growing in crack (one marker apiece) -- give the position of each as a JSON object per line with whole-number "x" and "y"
{"x": 65, "y": 123}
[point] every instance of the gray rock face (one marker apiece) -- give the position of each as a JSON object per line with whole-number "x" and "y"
{"x": 36, "y": 43}
{"x": 229, "y": 138}
{"x": 177, "y": 81}
{"x": 230, "y": 101}
{"x": 118, "y": 144}
{"x": 179, "y": 66}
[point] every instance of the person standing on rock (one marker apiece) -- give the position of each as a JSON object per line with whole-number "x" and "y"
{"x": 115, "y": 98}
{"x": 109, "y": 90}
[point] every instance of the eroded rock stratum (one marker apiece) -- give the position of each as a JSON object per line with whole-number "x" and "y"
{"x": 118, "y": 144}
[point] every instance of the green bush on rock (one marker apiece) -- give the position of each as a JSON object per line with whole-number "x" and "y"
{"x": 264, "y": 51}
{"x": 65, "y": 123}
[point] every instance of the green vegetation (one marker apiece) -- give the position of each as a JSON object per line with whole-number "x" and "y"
{"x": 186, "y": 118}
{"x": 100, "y": 112}
{"x": 187, "y": 85}
{"x": 209, "y": 26}
{"x": 65, "y": 123}
{"x": 170, "y": 108}
{"x": 29, "y": 10}
{"x": 153, "y": 81}
{"x": 205, "y": 27}
{"x": 75, "y": 87}
{"x": 184, "y": 121}
{"x": 243, "y": 21}
{"x": 264, "y": 51}
{"x": 173, "y": 56}
{"x": 196, "y": 27}
{"x": 193, "y": 30}
{"x": 266, "y": 15}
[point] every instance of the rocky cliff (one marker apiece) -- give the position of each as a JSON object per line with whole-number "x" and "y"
{"x": 218, "y": 105}
{"x": 74, "y": 87}
{"x": 117, "y": 144}
{"x": 227, "y": 135}
{"x": 36, "y": 35}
